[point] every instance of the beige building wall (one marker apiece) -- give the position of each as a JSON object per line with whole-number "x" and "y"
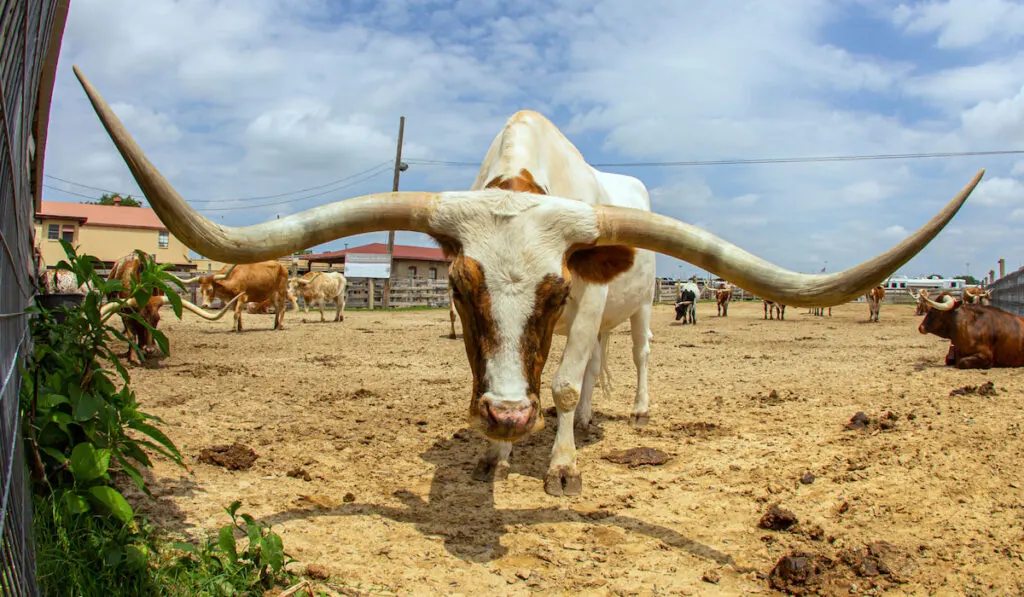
{"x": 109, "y": 243}
{"x": 400, "y": 269}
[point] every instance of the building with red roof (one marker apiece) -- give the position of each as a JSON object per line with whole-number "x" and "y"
{"x": 107, "y": 232}
{"x": 407, "y": 261}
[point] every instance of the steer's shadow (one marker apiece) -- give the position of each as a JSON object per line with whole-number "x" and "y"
{"x": 462, "y": 512}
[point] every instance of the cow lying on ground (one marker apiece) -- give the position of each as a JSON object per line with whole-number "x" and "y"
{"x": 541, "y": 244}
{"x": 981, "y": 336}
{"x": 874, "y": 298}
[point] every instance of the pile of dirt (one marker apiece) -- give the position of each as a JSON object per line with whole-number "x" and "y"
{"x": 986, "y": 389}
{"x": 235, "y": 457}
{"x": 861, "y": 421}
{"x": 875, "y": 567}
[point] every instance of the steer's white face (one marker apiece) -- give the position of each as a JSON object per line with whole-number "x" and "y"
{"x": 514, "y": 262}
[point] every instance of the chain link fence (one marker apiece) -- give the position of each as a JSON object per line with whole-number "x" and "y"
{"x": 25, "y": 32}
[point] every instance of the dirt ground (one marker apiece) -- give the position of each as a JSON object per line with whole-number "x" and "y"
{"x": 369, "y": 417}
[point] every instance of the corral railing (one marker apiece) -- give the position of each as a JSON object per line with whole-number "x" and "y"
{"x": 666, "y": 292}
{"x": 25, "y": 28}
{"x": 1008, "y": 293}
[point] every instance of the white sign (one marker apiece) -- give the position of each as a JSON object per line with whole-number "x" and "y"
{"x": 367, "y": 265}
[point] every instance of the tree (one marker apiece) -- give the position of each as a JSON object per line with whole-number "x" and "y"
{"x": 969, "y": 279}
{"x": 108, "y": 199}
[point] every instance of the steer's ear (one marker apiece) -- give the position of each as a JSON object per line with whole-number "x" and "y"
{"x": 599, "y": 265}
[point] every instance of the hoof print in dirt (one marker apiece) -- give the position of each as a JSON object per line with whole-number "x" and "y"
{"x": 777, "y": 519}
{"x": 635, "y": 457}
{"x": 235, "y": 457}
{"x": 986, "y": 389}
{"x": 699, "y": 429}
{"x": 876, "y": 566}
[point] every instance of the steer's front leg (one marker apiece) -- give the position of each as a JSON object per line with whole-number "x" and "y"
{"x": 563, "y": 477}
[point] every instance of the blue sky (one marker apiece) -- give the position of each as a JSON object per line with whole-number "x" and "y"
{"x": 234, "y": 100}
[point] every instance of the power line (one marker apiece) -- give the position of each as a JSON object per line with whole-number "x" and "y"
{"x": 838, "y": 158}
{"x": 197, "y": 201}
{"x": 377, "y": 172}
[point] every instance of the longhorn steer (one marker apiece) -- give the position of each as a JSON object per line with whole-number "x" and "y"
{"x": 126, "y": 270}
{"x": 874, "y": 298}
{"x": 976, "y": 295}
{"x": 722, "y": 296}
{"x": 773, "y": 307}
{"x": 262, "y": 282}
{"x": 686, "y": 305}
{"x": 319, "y": 288}
{"x": 981, "y": 336}
{"x": 543, "y": 243}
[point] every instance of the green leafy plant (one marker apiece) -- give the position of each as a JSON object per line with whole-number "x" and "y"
{"x": 80, "y": 426}
{"x": 228, "y": 569}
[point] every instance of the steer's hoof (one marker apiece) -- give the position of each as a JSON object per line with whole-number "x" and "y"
{"x": 490, "y": 471}
{"x": 639, "y": 420}
{"x": 563, "y": 481}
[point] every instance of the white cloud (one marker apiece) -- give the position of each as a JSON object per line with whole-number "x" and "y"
{"x": 963, "y": 23}
{"x": 1000, "y": 120}
{"x": 281, "y": 96}
{"x": 999, "y": 192}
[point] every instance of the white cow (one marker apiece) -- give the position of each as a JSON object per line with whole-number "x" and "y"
{"x": 543, "y": 243}
{"x": 319, "y": 288}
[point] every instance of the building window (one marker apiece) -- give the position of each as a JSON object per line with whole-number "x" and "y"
{"x": 412, "y": 271}
{"x": 67, "y": 233}
{"x": 163, "y": 240}
{"x": 53, "y": 232}
{"x": 433, "y": 273}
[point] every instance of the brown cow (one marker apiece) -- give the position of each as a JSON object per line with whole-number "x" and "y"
{"x": 722, "y": 296}
{"x": 772, "y": 307}
{"x": 874, "y": 298}
{"x": 981, "y": 336}
{"x": 972, "y": 295}
{"x": 255, "y": 282}
{"x": 126, "y": 270}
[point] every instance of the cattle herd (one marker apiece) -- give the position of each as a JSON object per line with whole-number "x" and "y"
{"x": 527, "y": 262}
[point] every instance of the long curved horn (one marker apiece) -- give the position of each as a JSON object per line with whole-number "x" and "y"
{"x": 191, "y": 280}
{"x": 107, "y": 310}
{"x": 947, "y": 303}
{"x": 655, "y": 232}
{"x": 369, "y": 213}
{"x": 206, "y": 314}
{"x": 225, "y": 275}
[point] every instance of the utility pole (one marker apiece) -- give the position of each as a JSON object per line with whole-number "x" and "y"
{"x": 399, "y": 168}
